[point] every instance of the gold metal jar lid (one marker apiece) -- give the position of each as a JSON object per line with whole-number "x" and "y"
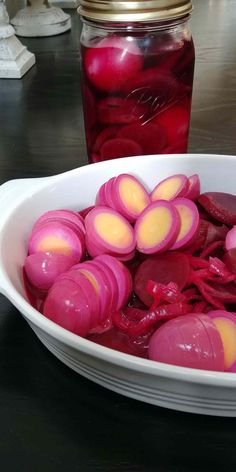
{"x": 128, "y": 10}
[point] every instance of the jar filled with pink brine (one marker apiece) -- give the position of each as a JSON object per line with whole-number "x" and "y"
{"x": 137, "y": 60}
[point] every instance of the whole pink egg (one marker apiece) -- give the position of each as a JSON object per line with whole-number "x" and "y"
{"x": 112, "y": 62}
{"x": 188, "y": 341}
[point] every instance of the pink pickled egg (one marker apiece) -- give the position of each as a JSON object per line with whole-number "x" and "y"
{"x": 189, "y": 222}
{"x": 100, "y": 196}
{"x": 112, "y": 62}
{"x": 42, "y": 268}
{"x": 125, "y": 257}
{"x": 95, "y": 250}
{"x": 109, "y": 280}
{"x": 55, "y": 236}
{"x": 99, "y": 282}
{"x": 129, "y": 196}
{"x": 188, "y": 341}
{"x": 122, "y": 276}
{"x": 110, "y": 194}
{"x": 88, "y": 290}
{"x": 67, "y": 306}
{"x": 225, "y": 323}
{"x": 170, "y": 188}
{"x": 69, "y": 217}
{"x": 157, "y": 228}
{"x": 83, "y": 213}
{"x": 230, "y": 240}
{"x": 108, "y": 232}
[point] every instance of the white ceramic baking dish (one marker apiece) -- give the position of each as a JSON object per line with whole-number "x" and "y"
{"x": 22, "y": 201}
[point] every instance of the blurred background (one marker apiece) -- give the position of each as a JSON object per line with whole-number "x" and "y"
{"x": 14, "y": 5}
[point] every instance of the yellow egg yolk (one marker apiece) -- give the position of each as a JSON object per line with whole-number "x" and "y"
{"x": 54, "y": 244}
{"x": 186, "y": 219}
{"x": 133, "y": 196}
{"x": 113, "y": 230}
{"x": 227, "y": 330}
{"x": 166, "y": 190}
{"x": 154, "y": 227}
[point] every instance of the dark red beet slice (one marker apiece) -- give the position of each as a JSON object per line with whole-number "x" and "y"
{"x": 208, "y": 233}
{"x": 151, "y": 137}
{"x": 117, "y": 147}
{"x": 163, "y": 268}
{"x": 219, "y": 205}
{"x": 106, "y": 133}
{"x": 115, "y": 110}
{"x": 215, "y": 233}
{"x": 230, "y": 260}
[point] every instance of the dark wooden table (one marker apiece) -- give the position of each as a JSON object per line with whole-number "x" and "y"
{"x": 51, "y": 419}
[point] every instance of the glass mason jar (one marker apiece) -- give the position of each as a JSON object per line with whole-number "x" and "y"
{"x": 137, "y": 61}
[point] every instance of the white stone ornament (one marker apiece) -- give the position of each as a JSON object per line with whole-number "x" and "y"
{"x": 39, "y": 18}
{"x": 15, "y": 59}
{"x": 65, "y": 3}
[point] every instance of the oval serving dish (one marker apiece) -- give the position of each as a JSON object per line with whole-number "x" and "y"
{"x": 23, "y": 201}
